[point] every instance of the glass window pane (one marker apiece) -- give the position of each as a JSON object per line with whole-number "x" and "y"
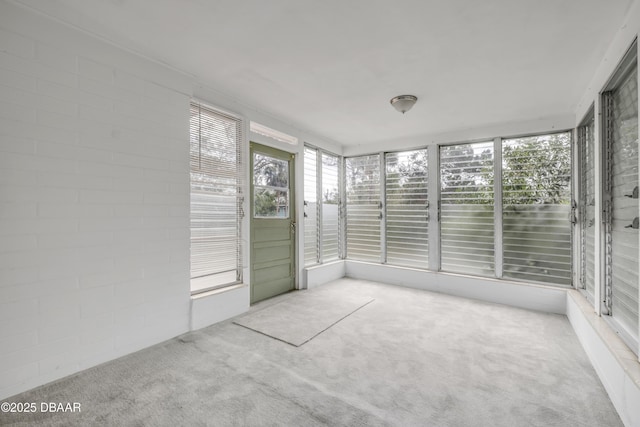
{"x": 330, "y": 207}
{"x": 270, "y": 172}
{"x": 406, "y": 208}
{"x": 536, "y": 195}
{"x": 271, "y": 191}
{"x": 623, "y": 249}
{"x": 270, "y": 203}
{"x": 216, "y": 182}
{"x": 363, "y": 208}
{"x": 587, "y": 202}
{"x": 311, "y": 255}
{"x": 467, "y": 223}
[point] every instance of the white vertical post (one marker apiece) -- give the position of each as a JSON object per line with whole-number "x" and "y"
{"x": 319, "y": 219}
{"x": 433, "y": 191}
{"x": 598, "y": 164}
{"x": 497, "y": 207}
{"x": 383, "y": 209}
{"x": 342, "y": 209}
{"x": 576, "y": 227}
{"x": 638, "y": 121}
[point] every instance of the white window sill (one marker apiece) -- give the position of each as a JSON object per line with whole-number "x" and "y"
{"x": 218, "y": 291}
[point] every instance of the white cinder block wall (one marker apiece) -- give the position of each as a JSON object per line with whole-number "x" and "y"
{"x": 94, "y": 201}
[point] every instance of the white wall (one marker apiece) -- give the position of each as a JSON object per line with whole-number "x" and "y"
{"x": 627, "y": 32}
{"x": 321, "y": 274}
{"x": 94, "y": 201}
{"x": 486, "y": 133}
{"x": 614, "y": 362}
{"x": 549, "y": 299}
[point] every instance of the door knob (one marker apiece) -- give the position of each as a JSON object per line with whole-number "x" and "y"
{"x": 635, "y": 224}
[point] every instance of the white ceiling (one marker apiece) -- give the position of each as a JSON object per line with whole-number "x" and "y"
{"x": 330, "y": 67}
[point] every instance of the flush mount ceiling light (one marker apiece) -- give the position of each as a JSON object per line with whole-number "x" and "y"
{"x": 403, "y": 103}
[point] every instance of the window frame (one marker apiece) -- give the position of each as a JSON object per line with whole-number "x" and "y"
{"x": 571, "y": 205}
{"x": 581, "y": 236}
{"x": 238, "y": 217}
{"x": 319, "y": 225}
{"x": 619, "y": 75}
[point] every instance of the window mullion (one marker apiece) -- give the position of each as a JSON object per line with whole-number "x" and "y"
{"x": 342, "y": 208}
{"x": 383, "y": 209}
{"x": 433, "y": 190}
{"x": 319, "y": 227}
{"x": 497, "y": 208}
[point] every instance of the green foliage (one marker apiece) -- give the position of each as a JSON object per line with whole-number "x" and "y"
{"x": 264, "y": 203}
{"x": 537, "y": 170}
{"x": 408, "y": 173}
{"x": 271, "y": 181}
{"x": 466, "y": 174}
{"x": 330, "y": 192}
{"x": 362, "y": 179}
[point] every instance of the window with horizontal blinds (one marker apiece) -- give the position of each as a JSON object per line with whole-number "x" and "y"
{"x": 466, "y": 211}
{"x": 407, "y": 208}
{"x": 331, "y": 224}
{"x": 587, "y": 204}
{"x": 364, "y": 210}
{"x": 311, "y": 241}
{"x": 216, "y": 191}
{"x": 621, "y": 128}
{"x": 536, "y": 196}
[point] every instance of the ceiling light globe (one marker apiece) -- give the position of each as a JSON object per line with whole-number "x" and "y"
{"x": 403, "y": 103}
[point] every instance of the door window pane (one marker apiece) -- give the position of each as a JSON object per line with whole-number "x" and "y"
{"x": 271, "y": 187}
{"x": 467, "y": 223}
{"x": 536, "y": 196}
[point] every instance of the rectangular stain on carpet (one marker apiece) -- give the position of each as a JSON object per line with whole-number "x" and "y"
{"x": 302, "y": 317}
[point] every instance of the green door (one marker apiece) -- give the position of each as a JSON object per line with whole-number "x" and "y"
{"x": 272, "y": 223}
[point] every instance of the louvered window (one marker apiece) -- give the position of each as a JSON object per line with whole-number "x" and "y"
{"x": 621, "y": 200}
{"x": 467, "y": 223}
{"x": 587, "y": 203}
{"x": 330, "y": 207}
{"x": 311, "y": 241}
{"x": 536, "y": 196}
{"x": 364, "y": 207}
{"x": 407, "y": 208}
{"x": 216, "y": 196}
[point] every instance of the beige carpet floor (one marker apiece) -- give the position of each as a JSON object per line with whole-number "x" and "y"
{"x": 408, "y": 358}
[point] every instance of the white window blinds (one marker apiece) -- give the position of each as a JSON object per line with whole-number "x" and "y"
{"x": 216, "y": 198}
